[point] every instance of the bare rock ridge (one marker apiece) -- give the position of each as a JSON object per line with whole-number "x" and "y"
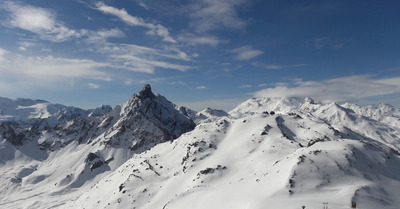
{"x": 149, "y": 119}
{"x": 146, "y": 92}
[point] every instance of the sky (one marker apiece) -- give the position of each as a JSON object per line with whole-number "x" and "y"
{"x": 200, "y": 53}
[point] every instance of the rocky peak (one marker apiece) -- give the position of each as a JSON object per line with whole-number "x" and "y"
{"x": 160, "y": 119}
{"x": 146, "y": 92}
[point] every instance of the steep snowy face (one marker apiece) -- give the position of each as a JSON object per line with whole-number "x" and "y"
{"x": 23, "y": 109}
{"x": 206, "y": 115}
{"x": 383, "y": 112}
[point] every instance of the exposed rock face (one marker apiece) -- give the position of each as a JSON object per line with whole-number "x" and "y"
{"x": 147, "y": 119}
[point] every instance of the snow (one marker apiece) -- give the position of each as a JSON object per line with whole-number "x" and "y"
{"x": 23, "y": 109}
{"x": 265, "y": 153}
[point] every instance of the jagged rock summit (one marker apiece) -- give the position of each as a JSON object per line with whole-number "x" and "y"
{"x": 151, "y": 119}
{"x": 146, "y": 92}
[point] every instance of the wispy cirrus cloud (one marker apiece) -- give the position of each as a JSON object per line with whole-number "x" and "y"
{"x": 350, "y": 88}
{"x": 201, "y": 87}
{"x": 246, "y": 53}
{"x": 21, "y": 73}
{"x": 93, "y": 85}
{"x": 245, "y": 86}
{"x": 2, "y": 54}
{"x": 142, "y": 4}
{"x": 45, "y": 24}
{"x": 275, "y": 67}
{"x": 145, "y": 59}
{"x": 40, "y": 21}
{"x": 182, "y": 83}
{"x": 103, "y": 34}
{"x": 208, "y": 15}
{"x": 138, "y": 64}
{"x": 325, "y": 42}
{"x": 154, "y": 29}
{"x": 192, "y": 39}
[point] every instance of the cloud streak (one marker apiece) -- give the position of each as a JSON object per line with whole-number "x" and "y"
{"x": 44, "y": 23}
{"x": 350, "y": 88}
{"x": 21, "y": 73}
{"x": 193, "y": 40}
{"x": 39, "y": 21}
{"x": 246, "y": 53}
{"x": 93, "y": 85}
{"x": 275, "y": 67}
{"x": 145, "y": 59}
{"x": 201, "y": 87}
{"x": 154, "y": 29}
{"x": 208, "y": 15}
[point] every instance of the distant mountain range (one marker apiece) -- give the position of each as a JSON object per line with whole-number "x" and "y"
{"x": 150, "y": 153}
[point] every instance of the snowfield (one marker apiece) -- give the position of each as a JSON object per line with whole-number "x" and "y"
{"x": 147, "y": 153}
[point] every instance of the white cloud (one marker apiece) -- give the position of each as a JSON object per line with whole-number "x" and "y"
{"x": 245, "y": 86}
{"x": 27, "y": 44}
{"x": 39, "y": 21}
{"x": 215, "y": 14}
{"x": 201, "y": 87}
{"x": 154, "y": 29}
{"x": 275, "y": 67}
{"x": 103, "y": 34}
{"x": 143, "y": 51}
{"x": 21, "y": 73}
{"x": 246, "y": 53}
{"x": 138, "y": 64}
{"x": 179, "y": 83}
{"x": 44, "y": 23}
{"x": 128, "y": 82}
{"x": 144, "y": 59}
{"x": 142, "y": 4}
{"x": 2, "y": 54}
{"x": 93, "y": 85}
{"x": 192, "y": 39}
{"x": 326, "y": 42}
{"x": 351, "y": 88}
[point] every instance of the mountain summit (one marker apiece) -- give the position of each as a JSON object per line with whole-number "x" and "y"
{"x": 146, "y": 92}
{"x": 146, "y": 119}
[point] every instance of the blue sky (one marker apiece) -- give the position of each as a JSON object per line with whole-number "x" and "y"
{"x": 200, "y": 53}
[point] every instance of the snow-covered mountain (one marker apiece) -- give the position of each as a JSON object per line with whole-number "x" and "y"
{"x": 70, "y": 150}
{"x": 23, "y": 109}
{"x": 265, "y": 153}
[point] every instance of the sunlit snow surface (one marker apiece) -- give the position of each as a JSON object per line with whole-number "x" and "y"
{"x": 266, "y": 153}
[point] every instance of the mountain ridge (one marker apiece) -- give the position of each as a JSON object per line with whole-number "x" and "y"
{"x": 149, "y": 153}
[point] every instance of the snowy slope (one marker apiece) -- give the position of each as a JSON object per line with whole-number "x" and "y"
{"x": 265, "y": 153}
{"x": 383, "y": 112}
{"x": 256, "y": 160}
{"x": 74, "y": 148}
{"x": 23, "y": 109}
